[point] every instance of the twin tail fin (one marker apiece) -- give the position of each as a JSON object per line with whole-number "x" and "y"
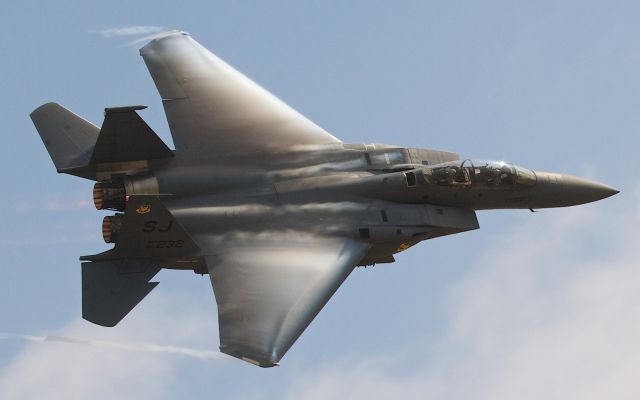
{"x": 125, "y": 143}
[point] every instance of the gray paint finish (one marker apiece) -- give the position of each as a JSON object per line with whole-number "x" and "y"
{"x": 273, "y": 208}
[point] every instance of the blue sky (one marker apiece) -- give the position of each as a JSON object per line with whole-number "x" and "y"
{"x": 531, "y": 305}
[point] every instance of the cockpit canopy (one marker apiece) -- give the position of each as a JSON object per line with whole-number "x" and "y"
{"x": 480, "y": 173}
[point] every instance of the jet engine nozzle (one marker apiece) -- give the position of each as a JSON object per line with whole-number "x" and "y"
{"x": 110, "y": 195}
{"x": 111, "y": 225}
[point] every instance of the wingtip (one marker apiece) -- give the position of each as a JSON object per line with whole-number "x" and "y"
{"x": 250, "y": 358}
{"x": 163, "y": 35}
{"x": 44, "y": 107}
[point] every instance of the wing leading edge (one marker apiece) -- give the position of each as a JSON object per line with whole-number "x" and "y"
{"x": 269, "y": 290}
{"x": 214, "y": 108}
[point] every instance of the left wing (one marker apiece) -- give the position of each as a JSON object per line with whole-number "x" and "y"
{"x": 270, "y": 287}
{"x": 214, "y": 109}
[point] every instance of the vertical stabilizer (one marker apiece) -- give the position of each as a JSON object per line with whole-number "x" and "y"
{"x": 69, "y": 138}
{"x": 124, "y": 145}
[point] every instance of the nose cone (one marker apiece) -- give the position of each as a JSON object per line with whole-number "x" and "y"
{"x": 579, "y": 190}
{"x": 560, "y": 190}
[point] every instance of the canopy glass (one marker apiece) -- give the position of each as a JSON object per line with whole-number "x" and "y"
{"x": 480, "y": 173}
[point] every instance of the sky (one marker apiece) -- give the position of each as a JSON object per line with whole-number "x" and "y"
{"x": 540, "y": 305}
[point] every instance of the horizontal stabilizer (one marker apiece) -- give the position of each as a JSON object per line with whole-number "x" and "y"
{"x": 69, "y": 139}
{"x": 125, "y": 136}
{"x": 111, "y": 289}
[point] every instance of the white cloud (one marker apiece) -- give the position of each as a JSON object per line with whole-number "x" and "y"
{"x": 131, "y": 30}
{"x": 550, "y": 311}
{"x": 58, "y": 371}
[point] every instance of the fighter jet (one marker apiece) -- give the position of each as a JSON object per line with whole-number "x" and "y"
{"x": 274, "y": 209}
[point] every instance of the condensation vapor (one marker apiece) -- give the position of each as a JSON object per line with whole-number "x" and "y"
{"x": 138, "y": 347}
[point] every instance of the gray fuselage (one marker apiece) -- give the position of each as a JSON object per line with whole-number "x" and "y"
{"x": 388, "y": 196}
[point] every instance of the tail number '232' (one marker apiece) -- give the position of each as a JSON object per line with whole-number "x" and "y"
{"x": 152, "y": 226}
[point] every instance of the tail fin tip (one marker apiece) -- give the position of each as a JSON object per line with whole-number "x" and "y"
{"x": 69, "y": 138}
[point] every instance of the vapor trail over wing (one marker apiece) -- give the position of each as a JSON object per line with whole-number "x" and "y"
{"x": 214, "y": 108}
{"x": 270, "y": 287}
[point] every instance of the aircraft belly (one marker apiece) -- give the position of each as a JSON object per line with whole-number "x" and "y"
{"x": 388, "y": 227}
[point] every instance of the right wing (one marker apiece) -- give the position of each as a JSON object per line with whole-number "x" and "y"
{"x": 270, "y": 287}
{"x": 213, "y": 108}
